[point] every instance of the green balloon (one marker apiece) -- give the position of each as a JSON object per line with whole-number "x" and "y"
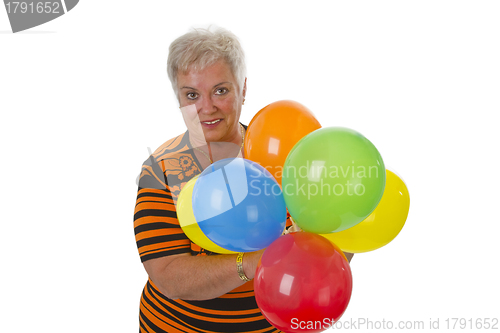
{"x": 333, "y": 178}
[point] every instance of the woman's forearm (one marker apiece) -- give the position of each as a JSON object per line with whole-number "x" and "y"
{"x": 203, "y": 277}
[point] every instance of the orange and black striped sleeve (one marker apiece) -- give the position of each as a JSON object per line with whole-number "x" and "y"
{"x": 156, "y": 227}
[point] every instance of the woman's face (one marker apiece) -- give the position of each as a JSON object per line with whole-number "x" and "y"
{"x": 217, "y": 98}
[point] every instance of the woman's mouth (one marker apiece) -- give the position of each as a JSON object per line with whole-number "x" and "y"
{"x": 211, "y": 123}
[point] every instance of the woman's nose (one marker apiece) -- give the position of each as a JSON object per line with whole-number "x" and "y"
{"x": 206, "y": 106}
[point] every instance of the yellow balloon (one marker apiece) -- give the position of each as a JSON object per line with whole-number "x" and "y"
{"x": 188, "y": 221}
{"x": 382, "y": 225}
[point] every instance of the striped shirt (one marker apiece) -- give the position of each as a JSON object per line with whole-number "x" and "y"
{"x": 158, "y": 234}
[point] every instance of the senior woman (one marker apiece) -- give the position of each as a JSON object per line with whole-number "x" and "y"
{"x": 190, "y": 289}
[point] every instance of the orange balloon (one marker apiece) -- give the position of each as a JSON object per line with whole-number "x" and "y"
{"x": 274, "y": 131}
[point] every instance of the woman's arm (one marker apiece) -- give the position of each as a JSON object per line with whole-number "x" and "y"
{"x": 199, "y": 277}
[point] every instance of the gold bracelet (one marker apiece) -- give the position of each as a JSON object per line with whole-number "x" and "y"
{"x": 239, "y": 267}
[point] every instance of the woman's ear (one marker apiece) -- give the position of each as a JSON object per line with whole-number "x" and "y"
{"x": 244, "y": 88}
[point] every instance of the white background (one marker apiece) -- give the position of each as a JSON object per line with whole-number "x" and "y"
{"x": 84, "y": 96}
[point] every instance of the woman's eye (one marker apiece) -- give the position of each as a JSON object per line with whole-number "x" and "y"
{"x": 221, "y": 91}
{"x": 192, "y": 95}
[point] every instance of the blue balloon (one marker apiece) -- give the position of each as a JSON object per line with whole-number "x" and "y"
{"x": 239, "y": 205}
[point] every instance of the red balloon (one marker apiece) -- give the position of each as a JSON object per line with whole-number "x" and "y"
{"x": 303, "y": 283}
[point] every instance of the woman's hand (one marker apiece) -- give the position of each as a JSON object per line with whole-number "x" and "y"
{"x": 295, "y": 228}
{"x": 250, "y": 262}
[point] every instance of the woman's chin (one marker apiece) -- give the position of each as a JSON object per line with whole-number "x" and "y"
{"x": 213, "y": 135}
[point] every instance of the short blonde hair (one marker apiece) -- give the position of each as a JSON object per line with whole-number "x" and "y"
{"x": 201, "y": 48}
